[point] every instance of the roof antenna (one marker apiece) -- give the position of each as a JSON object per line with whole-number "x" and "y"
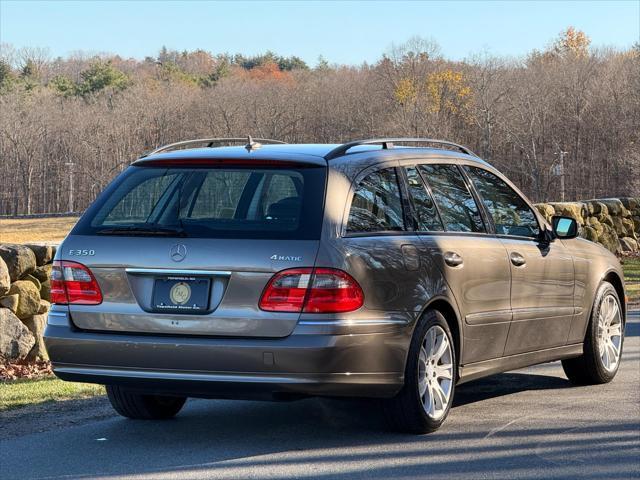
{"x": 251, "y": 145}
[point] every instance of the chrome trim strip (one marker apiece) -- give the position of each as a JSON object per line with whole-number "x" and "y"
{"x": 346, "y": 378}
{"x": 486, "y": 318}
{"x": 534, "y": 313}
{"x": 352, "y": 323}
{"x": 171, "y": 271}
{"x": 208, "y": 377}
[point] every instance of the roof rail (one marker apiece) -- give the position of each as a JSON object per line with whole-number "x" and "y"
{"x": 387, "y": 143}
{"x": 250, "y": 143}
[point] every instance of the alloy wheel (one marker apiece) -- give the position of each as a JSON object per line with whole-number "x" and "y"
{"x": 435, "y": 372}
{"x": 609, "y": 332}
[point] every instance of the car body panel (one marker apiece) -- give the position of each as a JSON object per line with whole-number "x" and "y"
{"x": 480, "y": 286}
{"x": 239, "y": 271}
{"x": 592, "y": 264}
{"x": 542, "y": 295}
{"x": 314, "y": 359}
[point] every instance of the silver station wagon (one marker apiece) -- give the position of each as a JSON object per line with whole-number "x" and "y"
{"x": 386, "y": 268}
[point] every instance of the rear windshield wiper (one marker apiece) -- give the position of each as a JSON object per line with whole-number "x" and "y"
{"x": 147, "y": 230}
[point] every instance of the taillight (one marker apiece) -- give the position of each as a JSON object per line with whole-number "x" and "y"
{"x": 312, "y": 290}
{"x": 333, "y": 291}
{"x": 286, "y": 291}
{"x": 73, "y": 283}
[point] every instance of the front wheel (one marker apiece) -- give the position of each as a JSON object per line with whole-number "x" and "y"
{"x": 424, "y": 402}
{"x": 602, "y": 346}
{"x": 143, "y": 407}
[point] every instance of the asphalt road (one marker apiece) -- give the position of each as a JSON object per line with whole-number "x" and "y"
{"x": 526, "y": 424}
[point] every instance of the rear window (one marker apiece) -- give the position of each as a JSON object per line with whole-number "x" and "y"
{"x": 216, "y": 202}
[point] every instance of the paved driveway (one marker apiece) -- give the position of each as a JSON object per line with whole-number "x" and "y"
{"x": 527, "y": 424}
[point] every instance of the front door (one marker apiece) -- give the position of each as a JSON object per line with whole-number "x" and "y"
{"x": 542, "y": 276}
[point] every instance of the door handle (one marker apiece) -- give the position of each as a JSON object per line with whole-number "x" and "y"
{"x": 452, "y": 259}
{"x": 517, "y": 259}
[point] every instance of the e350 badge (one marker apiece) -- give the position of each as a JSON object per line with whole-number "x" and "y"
{"x": 81, "y": 253}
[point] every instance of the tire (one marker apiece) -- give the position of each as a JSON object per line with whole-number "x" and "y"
{"x": 595, "y": 366}
{"x": 408, "y": 411}
{"x": 143, "y": 407}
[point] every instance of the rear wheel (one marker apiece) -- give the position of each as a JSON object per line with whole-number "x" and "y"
{"x": 143, "y": 407}
{"x": 602, "y": 347}
{"x": 424, "y": 402}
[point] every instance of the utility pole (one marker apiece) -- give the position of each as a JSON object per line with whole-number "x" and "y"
{"x": 559, "y": 170}
{"x": 70, "y": 165}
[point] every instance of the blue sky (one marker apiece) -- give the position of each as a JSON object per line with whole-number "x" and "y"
{"x": 343, "y": 32}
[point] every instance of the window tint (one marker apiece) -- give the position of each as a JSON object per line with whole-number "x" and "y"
{"x": 428, "y": 218}
{"x": 281, "y": 187}
{"x": 457, "y": 206}
{"x": 217, "y": 202}
{"x": 138, "y": 202}
{"x": 511, "y": 214}
{"x": 218, "y": 195}
{"x": 376, "y": 204}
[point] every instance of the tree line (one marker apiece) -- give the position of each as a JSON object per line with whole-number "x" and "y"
{"x": 71, "y": 124}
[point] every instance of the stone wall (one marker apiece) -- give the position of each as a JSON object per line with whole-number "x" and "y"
{"x": 24, "y": 300}
{"x": 612, "y": 222}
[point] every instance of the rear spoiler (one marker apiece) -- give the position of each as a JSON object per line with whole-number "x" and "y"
{"x": 220, "y": 162}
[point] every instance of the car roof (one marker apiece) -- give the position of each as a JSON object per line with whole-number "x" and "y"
{"x": 311, "y": 153}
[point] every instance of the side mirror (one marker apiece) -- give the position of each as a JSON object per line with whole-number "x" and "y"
{"x": 564, "y": 227}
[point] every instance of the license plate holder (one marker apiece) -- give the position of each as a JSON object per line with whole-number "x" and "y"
{"x": 179, "y": 294}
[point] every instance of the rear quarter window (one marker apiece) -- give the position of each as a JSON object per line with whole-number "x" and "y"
{"x": 376, "y": 204}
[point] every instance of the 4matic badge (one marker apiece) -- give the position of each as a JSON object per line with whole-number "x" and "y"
{"x": 286, "y": 258}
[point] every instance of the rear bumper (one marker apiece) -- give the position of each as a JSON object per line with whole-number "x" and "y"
{"x": 362, "y": 364}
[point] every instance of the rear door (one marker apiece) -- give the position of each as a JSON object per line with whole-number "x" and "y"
{"x": 189, "y": 249}
{"x": 542, "y": 285}
{"x": 379, "y": 247}
{"x": 474, "y": 264}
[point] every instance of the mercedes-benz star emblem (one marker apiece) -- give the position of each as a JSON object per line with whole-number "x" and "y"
{"x": 178, "y": 252}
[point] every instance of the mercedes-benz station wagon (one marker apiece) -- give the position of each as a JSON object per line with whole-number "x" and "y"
{"x": 393, "y": 269}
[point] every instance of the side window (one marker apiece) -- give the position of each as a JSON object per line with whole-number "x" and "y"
{"x": 455, "y": 202}
{"x": 428, "y": 218}
{"x": 511, "y": 214}
{"x": 376, "y": 204}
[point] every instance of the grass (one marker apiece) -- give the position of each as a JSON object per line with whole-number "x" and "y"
{"x": 631, "y": 267}
{"x": 18, "y": 393}
{"x": 31, "y": 230}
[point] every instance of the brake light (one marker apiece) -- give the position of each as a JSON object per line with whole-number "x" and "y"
{"x": 73, "y": 283}
{"x": 216, "y": 162}
{"x": 312, "y": 290}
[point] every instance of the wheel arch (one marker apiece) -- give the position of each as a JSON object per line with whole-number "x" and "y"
{"x": 614, "y": 279}
{"x": 445, "y": 307}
